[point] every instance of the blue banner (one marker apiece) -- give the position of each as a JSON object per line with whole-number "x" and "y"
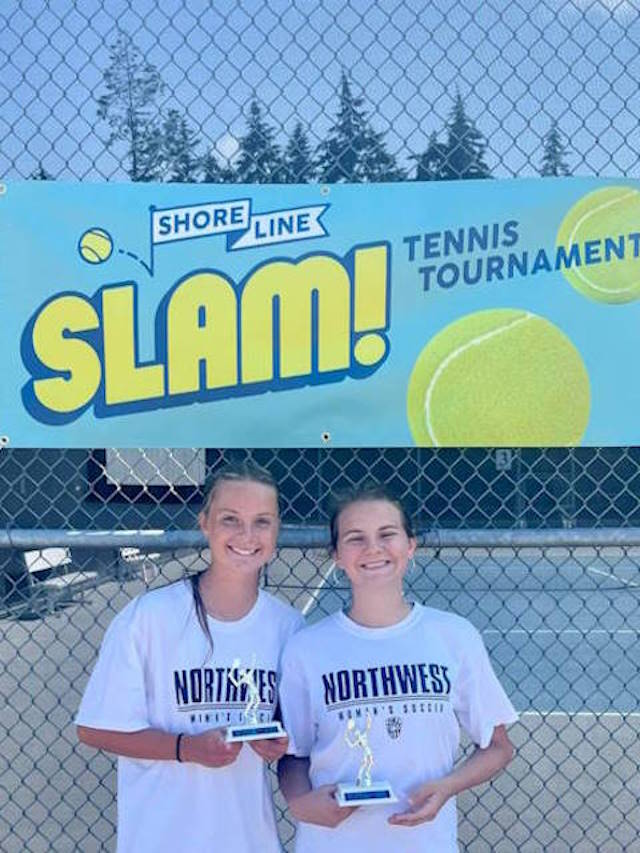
{"x": 474, "y": 313}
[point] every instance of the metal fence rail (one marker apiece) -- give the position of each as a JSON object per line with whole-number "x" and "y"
{"x": 558, "y": 610}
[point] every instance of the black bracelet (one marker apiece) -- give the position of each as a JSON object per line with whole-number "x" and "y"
{"x": 178, "y": 739}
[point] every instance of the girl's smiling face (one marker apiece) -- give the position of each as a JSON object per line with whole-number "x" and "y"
{"x": 373, "y": 546}
{"x": 241, "y": 525}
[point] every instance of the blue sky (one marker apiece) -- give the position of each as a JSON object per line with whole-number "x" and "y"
{"x": 517, "y": 64}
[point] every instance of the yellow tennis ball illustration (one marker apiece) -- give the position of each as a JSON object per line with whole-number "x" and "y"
{"x": 95, "y": 246}
{"x": 598, "y": 227}
{"x": 499, "y": 378}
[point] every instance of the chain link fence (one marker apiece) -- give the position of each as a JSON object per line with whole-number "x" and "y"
{"x": 558, "y": 608}
{"x": 271, "y": 91}
{"x": 539, "y": 548}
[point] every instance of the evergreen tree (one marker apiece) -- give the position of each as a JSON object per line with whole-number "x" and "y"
{"x": 465, "y": 148}
{"x": 430, "y": 165}
{"x": 213, "y": 172}
{"x": 259, "y": 158}
{"x": 337, "y": 157}
{"x": 554, "y": 152}
{"x": 150, "y": 158}
{"x": 298, "y": 165}
{"x": 353, "y": 150}
{"x": 378, "y": 164}
{"x": 179, "y": 149}
{"x": 129, "y": 107}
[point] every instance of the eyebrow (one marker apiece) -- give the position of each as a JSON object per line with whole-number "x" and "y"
{"x": 264, "y": 514}
{"x": 359, "y": 529}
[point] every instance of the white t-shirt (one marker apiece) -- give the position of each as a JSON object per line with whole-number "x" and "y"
{"x": 156, "y": 670}
{"x": 418, "y": 680}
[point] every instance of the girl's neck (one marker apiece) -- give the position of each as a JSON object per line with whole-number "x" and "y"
{"x": 380, "y": 609}
{"x": 226, "y": 597}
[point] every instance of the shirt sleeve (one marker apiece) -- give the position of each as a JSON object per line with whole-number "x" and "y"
{"x": 479, "y": 700}
{"x": 115, "y": 697}
{"x": 295, "y": 704}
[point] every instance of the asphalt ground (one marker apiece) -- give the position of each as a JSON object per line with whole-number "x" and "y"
{"x": 562, "y": 630}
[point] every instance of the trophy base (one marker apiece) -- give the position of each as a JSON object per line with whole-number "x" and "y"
{"x": 254, "y": 731}
{"x": 375, "y": 794}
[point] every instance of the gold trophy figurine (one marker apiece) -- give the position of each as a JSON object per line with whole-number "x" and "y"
{"x": 250, "y": 728}
{"x": 364, "y": 792}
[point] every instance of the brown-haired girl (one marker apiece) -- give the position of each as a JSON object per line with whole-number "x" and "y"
{"x": 406, "y": 675}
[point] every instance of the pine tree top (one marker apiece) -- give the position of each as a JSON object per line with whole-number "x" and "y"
{"x": 554, "y": 153}
{"x": 353, "y": 150}
{"x": 259, "y": 158}
{"x": 298, "y": 164}
{"x": 465, "y": 146}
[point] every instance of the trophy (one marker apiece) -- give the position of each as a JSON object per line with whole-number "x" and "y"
{"x": 364, "y": 792}
{"x": 250, "y": 728}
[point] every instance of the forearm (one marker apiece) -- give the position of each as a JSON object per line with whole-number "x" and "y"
{"x": 481, "y": 766}
{"x": 208, "y": 748}
{"x": 317, "y": 805}
{"x": 147, "y": 743}
{"x": 293, "y": 776}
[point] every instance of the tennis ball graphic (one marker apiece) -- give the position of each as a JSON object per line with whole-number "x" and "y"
{"x": 95, "y": 246}
{"x": 603, "y": 216}
{"x": 498, "y": 378}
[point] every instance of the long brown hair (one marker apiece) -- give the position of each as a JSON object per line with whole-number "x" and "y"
{"x": 236, "y": 472}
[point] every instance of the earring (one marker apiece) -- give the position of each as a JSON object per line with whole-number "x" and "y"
{"x": 332, "y": 574}
{"x": 412, "y": 566}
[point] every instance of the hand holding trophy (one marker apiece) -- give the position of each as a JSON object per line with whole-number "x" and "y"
{"x": 250, "y": 728}
{"x": 364, "y": 792}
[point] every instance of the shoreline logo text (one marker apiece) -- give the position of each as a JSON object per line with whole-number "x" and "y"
{"x": 288, "y": 323}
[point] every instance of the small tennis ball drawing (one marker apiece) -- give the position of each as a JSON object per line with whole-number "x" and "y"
{"x": 498, "y": 378}
{"x": 95, "y": 246}
{"x": 604, "y": 216}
